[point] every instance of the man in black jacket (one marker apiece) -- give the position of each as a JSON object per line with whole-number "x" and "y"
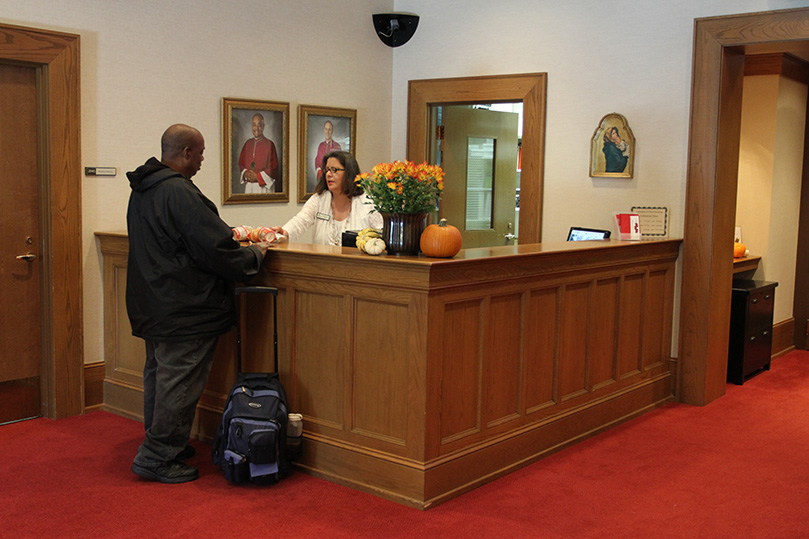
{"x": 182, "y": 261}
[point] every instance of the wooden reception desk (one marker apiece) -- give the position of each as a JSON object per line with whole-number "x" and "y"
{"x": 421, "y": 378}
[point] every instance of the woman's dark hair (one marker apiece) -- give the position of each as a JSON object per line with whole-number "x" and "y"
{"x": 351, "y": 170}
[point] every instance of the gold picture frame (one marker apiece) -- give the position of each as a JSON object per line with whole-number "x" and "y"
{"x": 255, "y": 167}
{"x": 314, "y": 137}
{"x": 612, "y": 148}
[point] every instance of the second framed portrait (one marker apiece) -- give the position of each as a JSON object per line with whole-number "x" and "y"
{"x": 612, "y": 148}
{"x": 255, "y": 151}
{"x": 321, "y": 130}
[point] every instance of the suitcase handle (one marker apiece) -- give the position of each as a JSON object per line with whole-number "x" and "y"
{"x": 257, "y": 290}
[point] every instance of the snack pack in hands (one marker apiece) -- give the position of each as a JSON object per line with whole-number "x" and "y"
{"x": 241, "y": 233}
{"x": 261, "y": 234}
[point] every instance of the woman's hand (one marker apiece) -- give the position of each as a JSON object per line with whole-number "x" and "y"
{"x": 280, "y": 234}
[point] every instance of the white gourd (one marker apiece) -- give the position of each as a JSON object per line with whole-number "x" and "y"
{"x": 374, "y": 246}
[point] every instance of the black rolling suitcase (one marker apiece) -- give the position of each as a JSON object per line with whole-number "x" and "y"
{"x": 254, "y": 443}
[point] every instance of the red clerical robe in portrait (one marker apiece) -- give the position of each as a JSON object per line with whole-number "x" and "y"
{"x": 259, "y": 155}
{"x": 323, "y": 149}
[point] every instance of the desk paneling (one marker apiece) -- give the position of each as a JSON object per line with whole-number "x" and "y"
{"x": 422, "y": 378}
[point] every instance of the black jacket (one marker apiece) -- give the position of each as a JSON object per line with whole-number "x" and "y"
{"x": 182, "y": 258}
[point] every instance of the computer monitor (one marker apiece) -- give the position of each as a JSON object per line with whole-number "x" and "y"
{"x": 578, "y": 233}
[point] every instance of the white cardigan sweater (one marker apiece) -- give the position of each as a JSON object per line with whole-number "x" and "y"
{"x": 317, "y": 211}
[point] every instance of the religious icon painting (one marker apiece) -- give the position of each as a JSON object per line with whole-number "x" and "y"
{"x": 255, "y": 151}
{"x": 321, "y": 130}
{"x": 612, "y": 148}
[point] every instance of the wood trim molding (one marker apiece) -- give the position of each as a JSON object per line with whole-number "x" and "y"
{"x": 718, "y": 69}
{"x": 94, "y": 386}
{"x": 782, "y": 337}
{"x": 800, "y": 305}
{"x": 763, "y": 64}
{"x": 782, "y": 64}
{"x": 530, "y": 89}
{"x": 57, "y": 57}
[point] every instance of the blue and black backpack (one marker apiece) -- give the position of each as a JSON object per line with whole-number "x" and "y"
{"x": 251, "y": 442}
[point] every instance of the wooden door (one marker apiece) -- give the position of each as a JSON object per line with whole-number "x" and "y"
{"x": 20, "y": 251}
{"x": 479, "y": 158}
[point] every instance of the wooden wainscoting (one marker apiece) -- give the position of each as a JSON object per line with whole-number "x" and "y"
{"x": 783, "y": 337}
{"x": 124, "y": 355}
{"x": 420, "y": 378}
{"x": 94, "y": 386}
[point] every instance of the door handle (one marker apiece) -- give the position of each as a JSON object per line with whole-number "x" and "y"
{"x": 28, "y": 257}
{"x": 510, "y": 237}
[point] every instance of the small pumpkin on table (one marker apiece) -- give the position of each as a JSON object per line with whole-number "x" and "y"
{"x": 441, "y": 241}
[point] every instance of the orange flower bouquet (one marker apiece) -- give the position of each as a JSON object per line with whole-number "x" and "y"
{"x": 403, "y": 187}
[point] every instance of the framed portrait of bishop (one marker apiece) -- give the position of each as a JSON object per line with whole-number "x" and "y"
{"x": 255, "y": 151}
{"x": 322, "y": 130}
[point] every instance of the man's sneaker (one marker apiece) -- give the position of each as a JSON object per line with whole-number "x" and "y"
{"x": 186, "y": 453}
{"x": 169, "y": 472}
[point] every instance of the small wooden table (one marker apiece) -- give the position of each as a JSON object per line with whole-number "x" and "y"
{"x": 745, "y": 263}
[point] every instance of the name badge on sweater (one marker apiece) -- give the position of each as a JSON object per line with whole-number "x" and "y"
{"x": 323, "y": 216}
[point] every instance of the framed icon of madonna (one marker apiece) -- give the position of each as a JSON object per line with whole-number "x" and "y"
{"x": 612, "y": 148}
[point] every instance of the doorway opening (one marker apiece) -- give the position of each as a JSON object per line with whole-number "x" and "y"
{"x": 768, "y": 206}
{"x": 720, "y": 45}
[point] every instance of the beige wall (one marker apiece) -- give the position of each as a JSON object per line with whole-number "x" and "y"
{"x": 146, "y": 64}
{"x": 629, "y": 57}
{"x": 756, "y": 159}
{"x": 149, "y": 63}
{"x": 770, "y": 167}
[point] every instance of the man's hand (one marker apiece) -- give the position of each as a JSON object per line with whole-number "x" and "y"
{"x": 263, "y": 246}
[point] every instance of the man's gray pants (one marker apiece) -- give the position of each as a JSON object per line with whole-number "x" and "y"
{"x": 173, "y": 380}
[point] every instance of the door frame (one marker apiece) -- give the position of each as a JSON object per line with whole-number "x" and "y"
{"x": 710, "y": 206}
{"x": 800, "y": 302}
{"x": 56, "y": 58}
{"x": 528, "y": 88}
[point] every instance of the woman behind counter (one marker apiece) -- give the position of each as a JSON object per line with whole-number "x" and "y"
{"x": 337, "y": 205}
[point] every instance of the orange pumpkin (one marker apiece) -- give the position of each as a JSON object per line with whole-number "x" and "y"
{"x": 441, "y": 240}
{"x": 738, "y": 249}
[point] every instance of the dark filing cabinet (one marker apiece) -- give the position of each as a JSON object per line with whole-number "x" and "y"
{"x": 751, "y": 311}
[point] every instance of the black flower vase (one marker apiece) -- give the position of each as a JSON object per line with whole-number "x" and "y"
{"x": 402, "y": 232}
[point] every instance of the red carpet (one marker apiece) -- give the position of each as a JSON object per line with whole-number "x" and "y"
{"x": 737, "y": 468}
